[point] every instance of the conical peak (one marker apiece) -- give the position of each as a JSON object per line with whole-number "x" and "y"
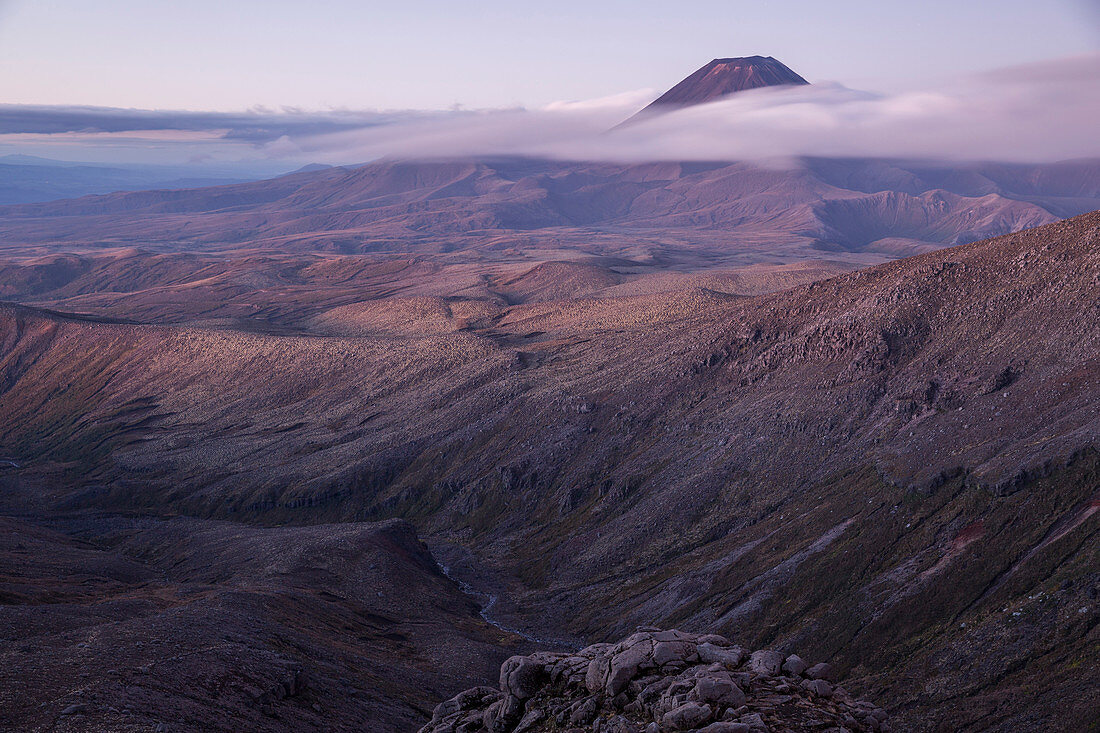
{"x": 727, "y": 76}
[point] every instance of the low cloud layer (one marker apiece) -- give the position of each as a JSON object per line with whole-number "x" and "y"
{"x": 1039, "y": 112}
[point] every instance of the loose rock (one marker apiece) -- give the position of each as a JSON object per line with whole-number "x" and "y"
{"x": 794, "y": 666}
{"x": 821, "y": 671}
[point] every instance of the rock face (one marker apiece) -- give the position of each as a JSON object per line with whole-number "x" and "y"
{"x": 722, "y": 77}
{"x": 652, "y": 682}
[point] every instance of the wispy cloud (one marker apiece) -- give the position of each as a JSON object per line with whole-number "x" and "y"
{"x": 254, "y": 125}
{"x": 1042, "y": 111}
{"x": 107, "y": 134}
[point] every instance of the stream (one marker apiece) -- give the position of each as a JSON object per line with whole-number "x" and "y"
{"x": 487, "y": 601}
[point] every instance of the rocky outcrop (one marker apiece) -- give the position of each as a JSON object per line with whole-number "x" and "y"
{"x": 657, "y": 681}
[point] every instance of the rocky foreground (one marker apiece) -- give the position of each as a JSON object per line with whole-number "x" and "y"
{"x": 656, "y": 681}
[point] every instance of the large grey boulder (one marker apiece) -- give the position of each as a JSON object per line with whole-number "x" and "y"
{"x": 718, "y": 689}
{"x": 766, "y": 662}
{"x": 522, "y": 677}
{"x": 687, "y": 716}
{"x": 625, "y": 665}
{"x": 710, "y": 653}
{"x": 794, "y": 665}
{"x": 674, "y": 654}
{"x": 596, "y": 676}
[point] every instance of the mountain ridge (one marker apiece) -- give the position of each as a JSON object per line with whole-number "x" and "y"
{"x": 403, "y": 207}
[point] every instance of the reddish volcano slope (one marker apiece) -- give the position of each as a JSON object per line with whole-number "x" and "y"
{"x": 722, "y": 77}
{"x": 891, "y": 469}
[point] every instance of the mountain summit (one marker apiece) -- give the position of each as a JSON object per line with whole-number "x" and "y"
{"x": 722, "y": 77}
{"x": 726, "y": 76}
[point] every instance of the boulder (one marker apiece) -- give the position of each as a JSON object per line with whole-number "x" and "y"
{"x": 726, "y": 727}
{"x": 625, "y": 665}
{"x": 766, "y": 662}
{"x": 674, "y": 653}
{"x": 529, "y": 720}
{"x": 687, "y": 716}
{"x": 522, "y": 677}
{"x": 595, "y": 676}
{"x": 715, "y": 639}
{"x": 501, "y": 715}
{"x": 568, "y": 668}
{"x": 754, "y": 721}
{"x": 719, "y": 690}
{"x": 654, "y": 689}
{"x": 820, "y": 671}
{"x": 583, "y": 711}
{"x": 818, "y": 687}
{"x": 712, "y": 654}
{"x": 794, "y": 665}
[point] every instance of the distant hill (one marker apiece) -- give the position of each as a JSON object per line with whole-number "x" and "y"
{"x": 312, "y": 168}
{"x": 849, "y": 206}
{"x": 28, "y": 179}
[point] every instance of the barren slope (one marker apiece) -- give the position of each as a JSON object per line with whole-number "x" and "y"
{"x": 119, "y": 624}
{"x": 889, "y": 469}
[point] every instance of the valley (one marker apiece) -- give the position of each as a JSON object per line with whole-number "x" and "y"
{"x": 850, "y": 465}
